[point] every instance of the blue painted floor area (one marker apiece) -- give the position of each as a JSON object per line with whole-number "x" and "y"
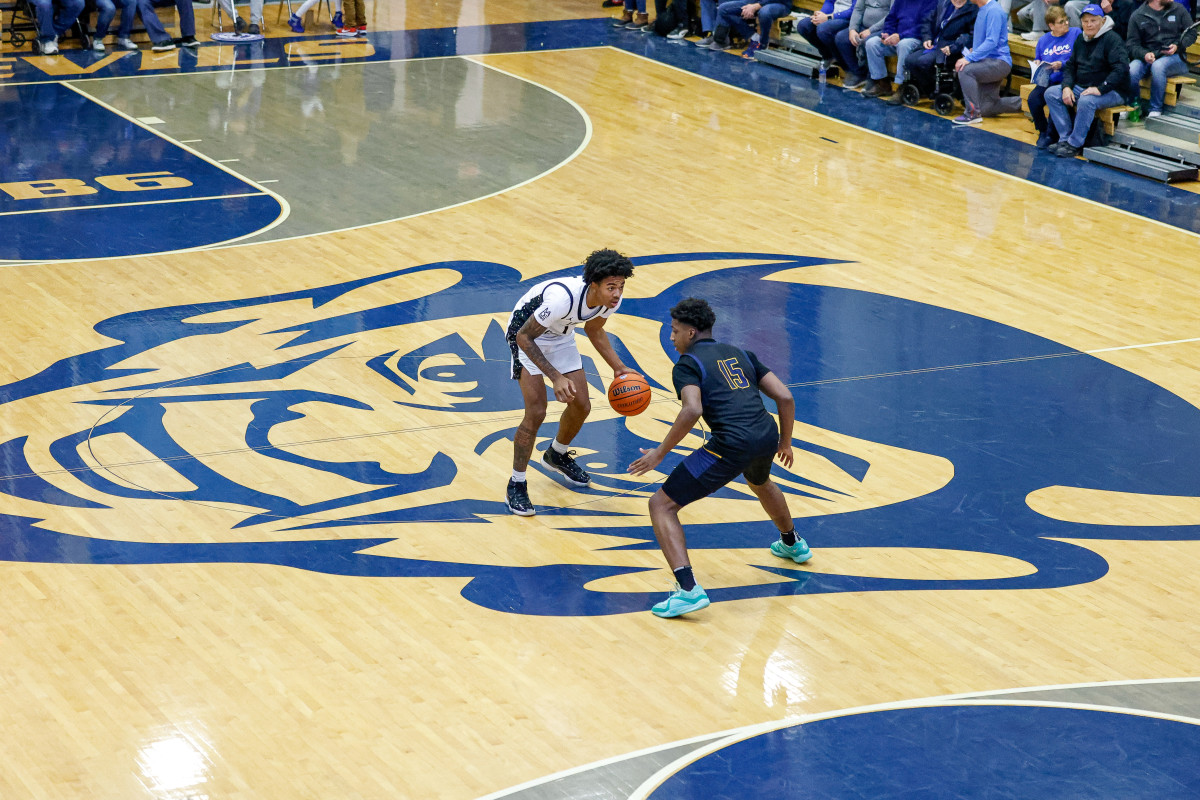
{"x": 78, "y": 178}
{"x": 1011, "y": 752}
{"x": 1013, "y": 413}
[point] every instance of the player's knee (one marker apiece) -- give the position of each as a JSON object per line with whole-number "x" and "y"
{"x": 535, "y": 413}
{"x": 583, "y": 403}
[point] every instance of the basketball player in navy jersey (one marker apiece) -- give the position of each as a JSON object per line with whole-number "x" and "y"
{"x": 541, "y": 336}
{"x": 721, "y": 383}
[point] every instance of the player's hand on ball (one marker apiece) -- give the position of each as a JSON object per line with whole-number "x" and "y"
{"x": 623, "y": 370}
{"x": 649, "y": 460}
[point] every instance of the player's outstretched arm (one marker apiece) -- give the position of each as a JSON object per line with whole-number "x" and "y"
{"x": 564, "y": 390}
{"x": 594, "y": 328}
{"x": 773, "y": 388}
{"x": 692, "y": 408}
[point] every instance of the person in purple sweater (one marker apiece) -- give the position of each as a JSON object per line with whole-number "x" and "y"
{"x": 899, "y": 37}
{"x": 821, "y": 28}
{"x": 1052, "y": 50}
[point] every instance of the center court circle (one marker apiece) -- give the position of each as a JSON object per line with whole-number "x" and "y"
{"x": 976, "y": 751}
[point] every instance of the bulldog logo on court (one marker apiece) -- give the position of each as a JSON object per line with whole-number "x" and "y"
{"x": 348, "y": 429}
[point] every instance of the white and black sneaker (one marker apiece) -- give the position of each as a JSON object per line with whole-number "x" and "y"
{"x": 564, "y": 464}
{"x": 517, "y": 499}
{"x": 678, "y": 33}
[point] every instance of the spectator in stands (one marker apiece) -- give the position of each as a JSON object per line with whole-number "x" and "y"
{"x": 946, "y": 30}
{"x": 296, "y": 20}
{"x": 106, "y": 10}
{"x": 899, "y": 36}
{"x": 54, "y": 18}
{"x": 635, "y": 16}
{"x": 736, "y": 15}
{"x": 1051, "y": 52}
{"x": 822, "y": 28}
{"x": 866, "y": 20}
{"x": 1119, "y": 10}
{"x": 985, "y": 66}
{"x": 239, "y": 25}
{"x": 1096, "y": 76}
{"x": 1153, "y": 44}
{"x": 1031, "y": 14}
{"x": 708, "y": 22}
{"x": 160, "y": 40}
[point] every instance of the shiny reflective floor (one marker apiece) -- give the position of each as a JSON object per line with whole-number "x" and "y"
{"x": 256, "y": 422}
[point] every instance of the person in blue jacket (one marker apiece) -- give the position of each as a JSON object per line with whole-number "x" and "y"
{"x": 946, "y": 31}
{"x": 899, "y": 37}
{"x": 985, "y": 66}
{"x": 823, "y": 26}
{"x": 1051, "y": 53}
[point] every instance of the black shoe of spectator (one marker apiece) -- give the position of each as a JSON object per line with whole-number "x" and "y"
{"x": 254, "y": 30}
{"x": 187, "y": 41}
{"x": 239, "y": 25}
{"x": 853, "y": 80}
{"x": 897, "y": 98}
{"x": 1066, "y": 150}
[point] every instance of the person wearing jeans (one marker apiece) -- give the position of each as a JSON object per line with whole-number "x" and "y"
{"x": 54, "y": 18}
{"x": 900, "y": 36}
{"x": 821, "y": 29}
{"x": 737, "y": 15}
{"x": 1096, "y": 76}
{"x": 1153, "y": 44}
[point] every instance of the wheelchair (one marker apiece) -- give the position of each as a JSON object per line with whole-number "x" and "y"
{"x": 942, "y": 87}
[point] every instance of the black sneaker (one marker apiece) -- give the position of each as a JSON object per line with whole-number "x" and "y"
{"x": 518, "y": 499}
{"x": 254, "y": 30}
{"x": 239, "y": 25}
{"x": 187, "y": 41}
{"x": 564, "y": 464}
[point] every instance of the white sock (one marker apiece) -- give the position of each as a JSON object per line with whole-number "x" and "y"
{"x": 519, "y": 477}
{"x": 755, "y": 38}
{"x": 558, "y": 446}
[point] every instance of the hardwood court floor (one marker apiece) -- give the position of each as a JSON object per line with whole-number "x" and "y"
{"x": 193, "y": 676}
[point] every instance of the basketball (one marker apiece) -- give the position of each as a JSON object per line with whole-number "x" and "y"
{"x": 629, "y": 395}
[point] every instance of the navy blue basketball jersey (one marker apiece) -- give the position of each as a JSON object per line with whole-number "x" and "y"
{"x": 728, "y": 378}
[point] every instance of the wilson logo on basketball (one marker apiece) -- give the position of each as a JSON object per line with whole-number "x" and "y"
{"x": 226, "y": 455}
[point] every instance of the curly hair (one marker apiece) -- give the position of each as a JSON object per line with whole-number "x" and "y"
{"x": 695, "y": 312}
{"x": 604, "y": 264}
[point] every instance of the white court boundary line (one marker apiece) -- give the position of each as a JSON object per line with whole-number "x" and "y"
{"x": 587, "y": 138}
{"x": 737, "y": 734}
{"x": 901, "y": 141}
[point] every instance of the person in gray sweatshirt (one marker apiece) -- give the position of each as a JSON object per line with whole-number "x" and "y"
{"x": 1153, "y": 44}
{"x": 867, "y": 19}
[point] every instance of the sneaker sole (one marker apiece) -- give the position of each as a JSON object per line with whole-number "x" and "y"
{"x": 679, "y": 611}
{"x": 799, "y": 560}
{"x": 519, "y": 513}
{"x": 566, "y": 477}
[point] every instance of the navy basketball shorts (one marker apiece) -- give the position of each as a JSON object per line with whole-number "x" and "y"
{"x": 703, "y": 472}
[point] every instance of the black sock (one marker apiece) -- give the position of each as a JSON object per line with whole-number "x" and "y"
{"x": 788, "y": 538}
{"x": 684, "y": 576}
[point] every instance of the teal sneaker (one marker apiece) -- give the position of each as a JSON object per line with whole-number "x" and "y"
{"x": 798, "y": 552}
{"x": 680, "y": 602}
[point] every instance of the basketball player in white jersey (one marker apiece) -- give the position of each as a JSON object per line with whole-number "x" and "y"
{"x": 541, "y": 335}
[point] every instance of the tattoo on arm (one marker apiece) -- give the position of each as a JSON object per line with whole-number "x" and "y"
{"x": 525, "y": 340}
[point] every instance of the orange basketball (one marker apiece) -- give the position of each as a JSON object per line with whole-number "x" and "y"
{"x": 629, "y": 395}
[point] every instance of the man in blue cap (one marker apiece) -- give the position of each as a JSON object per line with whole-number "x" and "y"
{"x": 1096, "y": 76}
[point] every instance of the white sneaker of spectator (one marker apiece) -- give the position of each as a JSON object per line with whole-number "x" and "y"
{"x": 98, "y": 44}
{"x": 51, "y": 47}
{"x": 126, "y": 44}
{"x": 678, "y": 33}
